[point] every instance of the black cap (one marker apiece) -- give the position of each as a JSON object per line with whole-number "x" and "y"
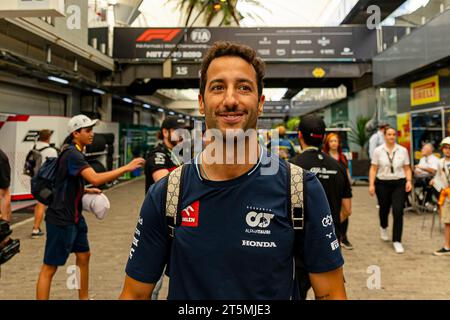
{"x": 172, "y": 122}
{"x": 312, "y": 128}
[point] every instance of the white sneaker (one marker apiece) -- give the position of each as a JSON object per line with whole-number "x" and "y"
{"x": 398, "y": 247}
{"x": 384, "y": 234}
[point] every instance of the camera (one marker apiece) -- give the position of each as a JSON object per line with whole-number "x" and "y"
{"x": 8, "y": 247}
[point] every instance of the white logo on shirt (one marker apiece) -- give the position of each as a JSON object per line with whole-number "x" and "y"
{"x": 261, "y": 219}
{"x": 327, "y": 221}
{"x": 260, "y": 244}
{"x": 334, "y": 245}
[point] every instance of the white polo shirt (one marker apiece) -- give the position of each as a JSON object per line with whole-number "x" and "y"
{"x": 429, "y": 162}
{"x": 390, "y": 165}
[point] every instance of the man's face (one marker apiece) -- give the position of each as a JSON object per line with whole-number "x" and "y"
{"x": 169, "y": 135}
{"x": 230, "y": 100}
{"x": 85, "y": 136}
{"x": 446, "y": 150}
{"x": 426, "y": 150}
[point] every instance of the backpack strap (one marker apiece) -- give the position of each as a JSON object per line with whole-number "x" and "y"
{"x": 42, "y": 149}
{"x": 295, "y": 191}
{"x": 173, "y": 212}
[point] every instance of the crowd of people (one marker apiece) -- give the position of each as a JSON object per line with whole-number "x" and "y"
{"x": 217, "y": 229}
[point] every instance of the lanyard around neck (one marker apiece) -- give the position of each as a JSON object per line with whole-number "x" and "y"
{"x": 391, "y": 160}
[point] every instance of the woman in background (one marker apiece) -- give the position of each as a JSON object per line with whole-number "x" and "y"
{"x": 332, "y": 146}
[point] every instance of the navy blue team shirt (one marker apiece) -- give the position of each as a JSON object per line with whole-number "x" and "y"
{"x": 66, "y": 207}
{"x": 236, "y": 239}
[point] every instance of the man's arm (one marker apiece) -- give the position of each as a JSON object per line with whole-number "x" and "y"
{"x": 97, "y": 179}
{"x": 136, "y": 290}
{"x": 159, "y": 174}
{"x": 329, "y": 285}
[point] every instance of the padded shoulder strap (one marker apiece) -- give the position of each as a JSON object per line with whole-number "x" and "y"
{"x": 172, "y": 198}
{"x": 296, "y": 192}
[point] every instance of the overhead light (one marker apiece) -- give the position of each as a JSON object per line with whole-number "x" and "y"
{"x": 181, "y": 116}
{"x": 187, "y": 117}
{"x": 171, "y": 113}
{"x": 160, "y": 110}
{"x": 59, "y": 80}
{"x": 99, "y": 91}
{"x": 146, "y": 106}
{"x": 128, "y": 100}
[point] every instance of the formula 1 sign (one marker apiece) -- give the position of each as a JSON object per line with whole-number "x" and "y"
{"x": 31, "y": 8}
{"x": 309, "y": 44}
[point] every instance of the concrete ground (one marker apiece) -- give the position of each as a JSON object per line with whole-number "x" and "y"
{"x": 372, "y": 270}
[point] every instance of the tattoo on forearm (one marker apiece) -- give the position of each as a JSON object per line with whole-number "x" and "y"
{"x": 324, "y": 297}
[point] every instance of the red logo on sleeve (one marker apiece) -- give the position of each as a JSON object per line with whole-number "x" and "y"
{"x": 189, "y": 216}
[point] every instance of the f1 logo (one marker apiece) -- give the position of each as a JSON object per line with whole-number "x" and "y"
{"x": 165, "y": 35}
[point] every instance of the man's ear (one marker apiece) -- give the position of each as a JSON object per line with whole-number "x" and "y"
{"x": 166, "y": 133}
{"x": 261, "y": 104}
{"x": 201, "y": 105}
{"x": 300, "y": 136}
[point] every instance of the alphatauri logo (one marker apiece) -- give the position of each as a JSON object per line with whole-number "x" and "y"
{"x": 261, "y": 219}
{"x": 258, "y": 244}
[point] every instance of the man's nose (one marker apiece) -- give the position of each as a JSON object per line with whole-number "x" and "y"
{"x": 230, "y": 99}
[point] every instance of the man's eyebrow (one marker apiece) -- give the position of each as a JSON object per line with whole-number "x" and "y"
{"x": 239, "y": 80}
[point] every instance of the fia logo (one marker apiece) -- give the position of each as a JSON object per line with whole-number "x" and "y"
{"x": 261, "y": 220}
{"x": 200, "y": 35}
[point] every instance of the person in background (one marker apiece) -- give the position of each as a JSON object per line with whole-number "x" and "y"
{"x": 332, "y": 146}
{"x": 5, "y": 181}
{"x": 160, "y": 161}
{"x": 67, "y": 231}
{"x": 331, "y": 174}
{"x": 443, "y": 174}
{"x": 425, "y": 171}
{"x": 47, "y": 151}
{"x": 377, "y": 139}
{"x": 286, "y": 149}
{"x": 390, "y": 178}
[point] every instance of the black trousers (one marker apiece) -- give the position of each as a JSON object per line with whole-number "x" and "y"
{"x": 344, "y": 228}
{"x": 391, "y": 193}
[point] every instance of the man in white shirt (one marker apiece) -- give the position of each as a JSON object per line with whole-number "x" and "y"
{"x": 428, "y": 164}
{"x": 425, "y": 171}
{"x": 47, "y": 151}
{"x": 377, "y": 139}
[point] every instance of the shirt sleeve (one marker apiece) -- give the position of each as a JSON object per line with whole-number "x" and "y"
{"x": 407, "y": 161}
{"x": 372, "y": 145}
{"x": 76, "y": 163}
{"x": 157, "y": 161}
{"x": 375, "y": 157}
{"x": 148, "y": 253}
{"x": 320, "y": 246}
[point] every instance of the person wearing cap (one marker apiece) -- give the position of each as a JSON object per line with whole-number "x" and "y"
{"x": 65, "y": 224}
{"x": 390, "y": 177}
{"x": 331, "y": 174}
{"x": 47, "y": 151}
{"x": 161, "y": 160}
{"x": 377, "y": 139}
{"x": 235, "y": 239}
{"x": 443, "y": 175}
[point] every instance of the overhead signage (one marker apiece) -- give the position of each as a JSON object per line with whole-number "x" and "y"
{"x": 190, "y": 44}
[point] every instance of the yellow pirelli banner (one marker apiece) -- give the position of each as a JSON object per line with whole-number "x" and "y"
{"x": 425, "y": 91}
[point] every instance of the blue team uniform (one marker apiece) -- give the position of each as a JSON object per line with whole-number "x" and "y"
{"x": 236, "y": 240}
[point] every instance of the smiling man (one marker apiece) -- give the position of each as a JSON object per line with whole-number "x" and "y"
{"x": 233, "y": 234}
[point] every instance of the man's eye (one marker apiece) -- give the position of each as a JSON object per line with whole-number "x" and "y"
{"x": 244, "y": 87}
{"x": 217, "y": 88}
